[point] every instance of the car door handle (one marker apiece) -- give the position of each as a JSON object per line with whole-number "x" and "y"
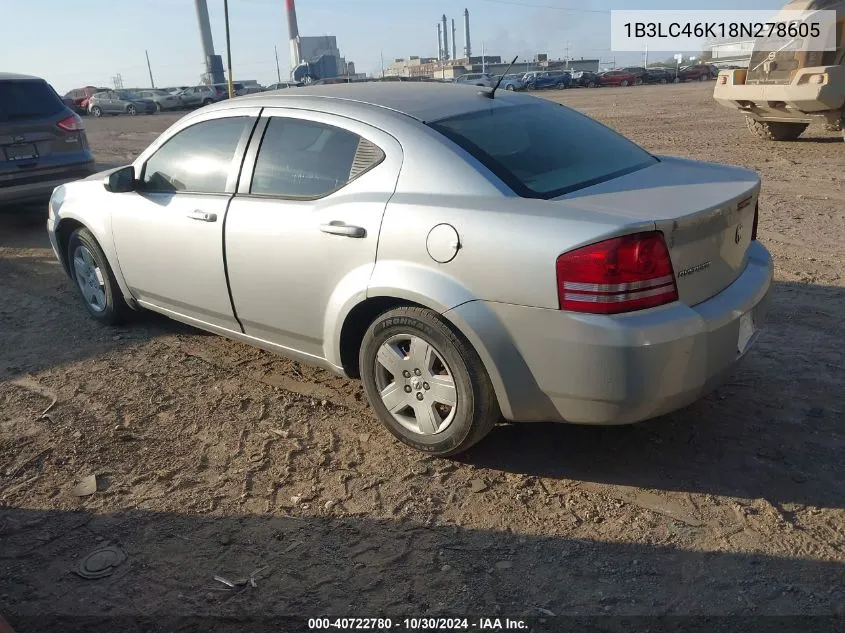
{"x": 339, "y": 228}
{"x": 202, "y": 216}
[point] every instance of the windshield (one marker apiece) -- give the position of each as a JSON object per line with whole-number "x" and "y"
{"x": 544, "y": 150}
{"x": 27, "y": 99}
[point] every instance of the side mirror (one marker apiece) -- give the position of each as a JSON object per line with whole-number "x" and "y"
{"x": 121, "y": 180}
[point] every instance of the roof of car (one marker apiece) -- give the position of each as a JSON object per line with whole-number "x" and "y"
{"x": 423, "y": 101}
{"x": 10, "y": 76}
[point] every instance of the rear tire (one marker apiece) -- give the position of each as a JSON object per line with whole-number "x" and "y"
{"x": 131, "y": 110}
{"x": 158, "y": 107}
{"x": 775, "y": 130}
{"x": 94, "y": 279}
{"x": 509, "y": 87}
{"x": 96, "y": 111}
{"x": 624, "y": 83}
{"x": 207, "y": 102}
{"x": 457, "y": 366}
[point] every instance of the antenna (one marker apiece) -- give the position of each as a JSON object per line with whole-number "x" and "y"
{"x": 492, "y": 93}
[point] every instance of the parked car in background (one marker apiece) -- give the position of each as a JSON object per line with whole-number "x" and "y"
{"x": 509, "y": 82}
{"x": 163, "y": 100}
{"x": 697, "y": 72}
{"x": 283, "y": 85}
{"x": 585, "y": 79}
{"x": 176, "y": 89}
{"x": 547, "y": 79}
{"x": 196, "y": 96}
{"x": 80, "y": 97}
{"x": 120, "y": 102}
{"x": 640, "y": 74}
{"x": 317, "y": 224}
{"x": 617, "y": 78}
{"x": 659, "y": 76}
{"x": 42, "y": 141}
{"x": 476, "y": 79}
{"x": 238, "y": 88}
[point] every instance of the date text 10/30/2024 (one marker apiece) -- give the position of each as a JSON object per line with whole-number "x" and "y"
{"x": 418, "y": 624}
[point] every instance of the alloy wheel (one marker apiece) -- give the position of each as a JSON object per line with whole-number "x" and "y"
{"x": 415, "y": 384}
{"x": 89, "y": 278}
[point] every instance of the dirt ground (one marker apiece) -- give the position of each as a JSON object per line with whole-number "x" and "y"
{"x": 214, "y": 458}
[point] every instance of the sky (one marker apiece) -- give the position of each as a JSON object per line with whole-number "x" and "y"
{"x": 72, "y": 44}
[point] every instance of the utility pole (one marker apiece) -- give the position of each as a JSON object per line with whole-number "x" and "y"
{"x": 228, "y": 49}
{"x": 483, "y": 59}
{"x": 381, "y": 56}
{"x": 278, "y": 71}
{"x": 646, "y": 57}
{"x": 149, "y": 68}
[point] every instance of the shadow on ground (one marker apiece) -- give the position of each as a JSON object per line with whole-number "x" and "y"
{"x": 354, "y": 566}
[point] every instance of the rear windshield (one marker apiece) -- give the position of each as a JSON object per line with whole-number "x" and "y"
{"x": 544, "y": 150}
{"x": 20, "y": 100}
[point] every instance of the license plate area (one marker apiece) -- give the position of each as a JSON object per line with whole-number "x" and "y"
{"x": 747, "y": 330}
{"x": 21, "y": 151}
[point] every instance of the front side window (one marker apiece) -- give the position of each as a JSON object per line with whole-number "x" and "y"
{"x": 198, "y": 159}
{"x": 544, "y": 150}
{"x": 306, "y": 159}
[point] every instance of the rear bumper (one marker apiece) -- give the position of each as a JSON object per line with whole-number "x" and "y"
{"x": 38, "y": 189}
{"x": 784, "y": 101}
{"x": 594, "y": 369}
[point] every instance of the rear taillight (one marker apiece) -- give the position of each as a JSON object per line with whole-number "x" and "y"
{"x": 754, "y": 223}
{"x": 71, "y": 124}
{"x": 622, "y": 274}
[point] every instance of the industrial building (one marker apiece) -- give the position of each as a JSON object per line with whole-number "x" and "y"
{"x": 448, "y": 65}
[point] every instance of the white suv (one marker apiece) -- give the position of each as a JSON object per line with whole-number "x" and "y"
{"x": 476, "y": 79}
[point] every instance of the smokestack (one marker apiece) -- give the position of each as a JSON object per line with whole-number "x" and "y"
{"x": 213, "y": 63}
{"x": 445, "y": 38}
{"x": 467, "y": 44}
{"x": 439, "y": 43}
{"x": 293, "y": 34}
{"x": 454, "y": 43}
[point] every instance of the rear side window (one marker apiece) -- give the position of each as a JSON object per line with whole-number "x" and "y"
{"x": 306, "y": 159}
{"x": 198, "y": 159}
{"x": 28, "y": 99}
{"x": 544, "y": 150}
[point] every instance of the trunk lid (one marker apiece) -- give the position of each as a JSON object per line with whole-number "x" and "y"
{"x": 704, "y": 211}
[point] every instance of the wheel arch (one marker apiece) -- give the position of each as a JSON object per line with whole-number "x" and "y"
{"x": 516, "y": 390}
{"x": 65, "y": 228}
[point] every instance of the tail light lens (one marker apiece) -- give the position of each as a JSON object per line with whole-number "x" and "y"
{"x": 754, "y": 223}
{"x": 723, "y": 80}
{"x": 71, "y": 124}
{"x": 623, "y": 274}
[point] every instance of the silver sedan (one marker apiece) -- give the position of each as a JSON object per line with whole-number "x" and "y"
{"x": 470, "y": 259}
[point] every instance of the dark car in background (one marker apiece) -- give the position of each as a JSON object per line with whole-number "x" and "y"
{"x": 640, "y": 74}
{"x": 659, "y": 76}
{"x": 547, "y": 79}
{"x": 617, "y": 78}
{"x": 696, "y": 72}
{"x": 120, "y": 102}
{"x": 42, "y": 141}
{"x": 585, "y": 79}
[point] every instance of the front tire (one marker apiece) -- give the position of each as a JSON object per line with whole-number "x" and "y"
{"x": 96, "y": 111}
{"x": 426, "y": 383}
{"x": 775, "y": 130}
{"x": 624, "y": 83}
{"x": 158, "y": 107}
{"x": 95, "y": 282}
{"x": 131, "y": 110}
